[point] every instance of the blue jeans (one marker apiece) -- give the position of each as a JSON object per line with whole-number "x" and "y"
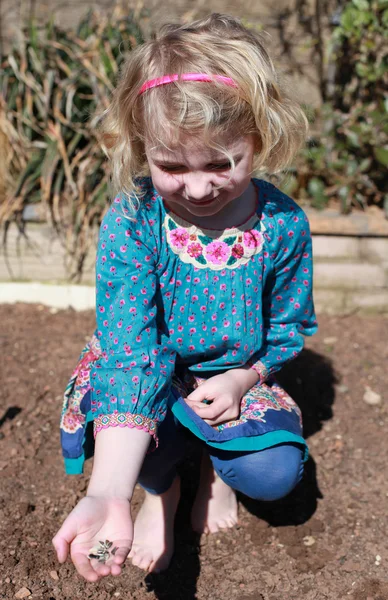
{"x": 268, "y": 474}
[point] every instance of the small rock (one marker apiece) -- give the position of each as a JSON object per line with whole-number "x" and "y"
{"x": 342, "y": 389}
{"x": 309, "y": 540}
{"x": 54, "y": 575}
{"x": 23, "y": 593}
{"x": 371, "y": 397}
{"x": 351, "y": 566}
{"x": 316, "y": 525}
{"x": 329, "y": 341}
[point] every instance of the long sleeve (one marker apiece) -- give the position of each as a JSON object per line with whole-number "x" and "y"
{"x": 288, "y": 308}
{"x": 131, "y": 380}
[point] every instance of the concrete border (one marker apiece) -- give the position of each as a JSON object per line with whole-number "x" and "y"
{"x": 331, "y": 221}
{"x": 78, "y": 297}
{"x": 82, "y": 297}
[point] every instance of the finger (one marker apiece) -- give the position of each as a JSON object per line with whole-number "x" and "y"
{"x": 61, "y": 548}
{"x": 214, "y": 422}
{"x": 225, "y": 417}
{"x": 194, "y": 404}
{"x": 198, "y": 395}
{"x": 93, "y": 569}
{"x": 102, "y": 569}
{"x": 206, "y": 391}
{"x": 63, "y": 539}
{"x": 205, "y": 411}
{"x": 121, "y": 553}
{"x": 116, "y": 562}
{"x": 84, "y": 566}
{"x": 115, "y": 570}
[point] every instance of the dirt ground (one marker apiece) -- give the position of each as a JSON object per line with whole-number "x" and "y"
{"x": 327, "y": 540}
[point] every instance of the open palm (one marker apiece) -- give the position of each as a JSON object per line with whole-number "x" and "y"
{"x": 96, "y": 519}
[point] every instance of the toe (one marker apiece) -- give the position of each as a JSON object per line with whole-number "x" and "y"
{"x": 136, "y": 558}
{"x": 145, "y": 563}
{"x": 213, "y": 527}
{"x": 223, "y": 524}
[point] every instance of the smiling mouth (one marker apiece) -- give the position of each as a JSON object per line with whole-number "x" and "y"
{"x": 203, "y": 202}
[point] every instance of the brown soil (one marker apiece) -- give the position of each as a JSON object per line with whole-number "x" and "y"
{"x": 327, "y": 540}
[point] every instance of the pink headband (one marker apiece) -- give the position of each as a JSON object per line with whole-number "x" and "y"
{"x": 151, "y": 83}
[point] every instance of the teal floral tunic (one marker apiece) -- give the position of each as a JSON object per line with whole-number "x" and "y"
{"x": 177, "y": 304}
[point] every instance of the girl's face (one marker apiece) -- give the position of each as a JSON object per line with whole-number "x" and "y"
{"x": 196, "y": 180}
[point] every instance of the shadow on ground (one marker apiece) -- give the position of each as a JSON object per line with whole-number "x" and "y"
{"x": 310, "y": 380}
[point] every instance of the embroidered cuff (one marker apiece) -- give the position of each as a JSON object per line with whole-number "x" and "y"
{"x": 260, "y": 369}
{"x": 117, "y": 419}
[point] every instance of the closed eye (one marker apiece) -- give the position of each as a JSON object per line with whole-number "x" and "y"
{"x": 219, "y": 166}
{"x": 172, "y": 168}
{"x": 181, "y": 168}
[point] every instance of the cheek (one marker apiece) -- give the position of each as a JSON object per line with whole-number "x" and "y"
{"x": 166, "y": 183}
{"x": 239, "y": 179}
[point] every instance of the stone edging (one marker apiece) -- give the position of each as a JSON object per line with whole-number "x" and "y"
{"x": 331, "y": 222}
{"x": 78, "y": 297}
{"x": 82, "y": 297}
{"x": 350, "y": 266}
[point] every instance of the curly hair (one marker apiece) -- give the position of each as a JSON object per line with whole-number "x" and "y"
{"x": 218, "y": 44}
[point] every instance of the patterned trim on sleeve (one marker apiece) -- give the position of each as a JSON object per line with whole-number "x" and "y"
{"x": 260, "y": 369}
{"x": 117, "y": 419}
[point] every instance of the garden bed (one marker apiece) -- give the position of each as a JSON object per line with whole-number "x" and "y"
{"x": 325, "y": 541}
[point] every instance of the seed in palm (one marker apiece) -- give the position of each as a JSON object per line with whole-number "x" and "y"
{"x": 103, "y": 551}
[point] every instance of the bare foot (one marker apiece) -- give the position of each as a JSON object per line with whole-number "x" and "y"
{"x": 215, "y": 505}
{"x": 153, "y": 544}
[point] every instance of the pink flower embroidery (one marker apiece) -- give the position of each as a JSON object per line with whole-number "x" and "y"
{"x": 253, "y": 238}
{"x": 179, "y": 237}
{"x": 194, "y": 250}
{"x": 71, "y": 421}
{"x": 237, "y": 251}
{"x": 217, "y": 252}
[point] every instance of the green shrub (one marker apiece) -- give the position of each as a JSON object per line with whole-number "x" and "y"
{"x": 348, "y": 161}
{"x": 52, "y": 84}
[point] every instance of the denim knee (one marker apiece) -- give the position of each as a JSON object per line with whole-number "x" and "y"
{"x": 266, "y": 475}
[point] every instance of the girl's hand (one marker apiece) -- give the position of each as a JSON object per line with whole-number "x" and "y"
{"x": 96, "y": 519}
{"x": 224, "y": 392}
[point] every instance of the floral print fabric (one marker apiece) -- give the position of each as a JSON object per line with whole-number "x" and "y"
{"x": 170, "y": 294}
{"x": 261, "y": 398}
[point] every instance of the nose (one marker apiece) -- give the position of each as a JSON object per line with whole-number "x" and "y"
{"x": 198, "y": 186}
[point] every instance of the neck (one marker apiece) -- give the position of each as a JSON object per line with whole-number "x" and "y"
{"x": 233, "y": 214}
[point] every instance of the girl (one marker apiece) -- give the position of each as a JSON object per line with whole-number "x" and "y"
{"x": 203, "y": 292}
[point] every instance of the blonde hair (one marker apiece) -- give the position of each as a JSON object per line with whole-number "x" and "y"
{"x": 218, "y": 44}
